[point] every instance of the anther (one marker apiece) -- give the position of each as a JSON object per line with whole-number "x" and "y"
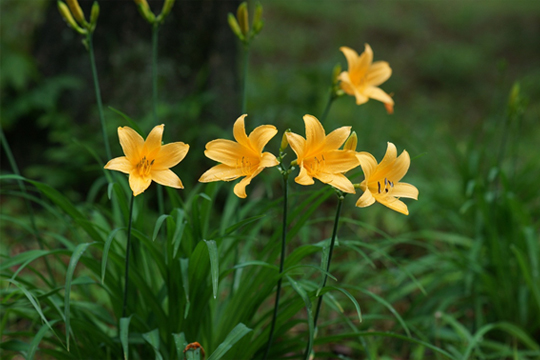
{"x": 379, "y": 186}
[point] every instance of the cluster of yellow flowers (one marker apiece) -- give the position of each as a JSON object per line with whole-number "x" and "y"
{"x": 318, "y": 155}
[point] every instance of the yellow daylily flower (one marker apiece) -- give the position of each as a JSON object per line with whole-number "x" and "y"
{"x": 381, "y": 182}
{"x": 241, "y": 158}
{"x": 148, "y": 160}
{"x": 318, "y": 155}
{"x": 364, "y": 76}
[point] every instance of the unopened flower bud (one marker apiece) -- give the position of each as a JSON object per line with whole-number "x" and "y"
{"x": 77, "y": 11}
{"x": 145, "y": 11}
{"x": 351, "y": 142}
{"x": 94, "y": 15}
{"x": 66, "y": 14}
{"x": 257, "y": 19}
{"x": 167, "y": 6}
{"x": 235, "y": 27}
{"x": 284, "y": 141}
{"x": 242, "y": 16}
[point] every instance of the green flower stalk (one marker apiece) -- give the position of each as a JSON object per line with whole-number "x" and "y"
{"x": 240, "y": 27}
{"x": 74, "y": 17}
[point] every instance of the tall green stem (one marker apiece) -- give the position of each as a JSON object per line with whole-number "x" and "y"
{"x": 331, "y": 99}
{"x": 245, "y": 64}
{"x": 155, "y": 28}
{"x": 128, "y": 249}
{"x": 332, "y": 242}
{"x": 98, "y": 94}
{"x": 281, "y": 263}
{"x": 15, "y": 169}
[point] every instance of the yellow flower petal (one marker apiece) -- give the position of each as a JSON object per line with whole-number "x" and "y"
{"x": 405, "y": 190}
{"x": 120, "y": 164}
{"x": 297, "y": 143}
{"x": 261, "y": 136}
{"x": 367, "y": 162}
{"x": 340, "y": 161}
{"x": 346, "y": 83}
{"x": 303, "y": 178}
{"x": 365, "y": 200}
{"x": 138, "y": 184}
{"x": 365, "y": 60}
{"x": 400, "y": 167}
{"x": 153, "y": 142}
{"x": 170, "y": 155}
{"x": 239, "y": 132}
{"x": 352, "y": 60}
{"x": 339, "y": 181}
{"x": 378, "y": 73}
{"x": 167, "y": 178}
{"x": 131, "y": 143}
{"x": 221, "y": 172}
{"x": 336, "y": 138}
{"x": 360, "y": 97}
{"x": 240, "y": 188}
{"x": 393, "y": 203}
{"x": 224, "y": 151}
{"x": 378, "y": 94}
{"x": 268, "y": 160}
{"x": 315, "y": 134}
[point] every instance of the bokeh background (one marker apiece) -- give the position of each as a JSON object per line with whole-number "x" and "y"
{"x": 455, "y": 65}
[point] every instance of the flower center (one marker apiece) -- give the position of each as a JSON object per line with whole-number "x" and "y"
{"x": 245, "y": 165}
{"x": 384, "y": 186}
{"x": 316, "y": 165}
{"x": 144, "y": 167}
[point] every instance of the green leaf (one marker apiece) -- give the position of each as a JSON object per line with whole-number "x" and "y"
{"x": 77, "y": 253}
{"x": 37, "y": 340}
{"x": 152, "y": 338}
{"x": 181, "y": 343}
{"x": 236, "y": 334}
{"x": 184, "y": 269}
{"x": 132, "y": 123}
{"x": 353, "y": 300}
{"x": 124, "y": 335}
{"x": 214, "y": 265}
{"x": 238, "y": 225}
{"x": 105, "y": 255}
{"x": 34, "y": 303}
{"x": 310, "y": 319}
{"x": 179, "y": 231}
{"x": 159, "y": 221}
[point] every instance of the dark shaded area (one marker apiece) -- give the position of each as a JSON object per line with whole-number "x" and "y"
{"x": 197, "y": 81}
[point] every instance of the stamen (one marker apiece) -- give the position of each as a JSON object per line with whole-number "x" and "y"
{"x": 379, "y": 186}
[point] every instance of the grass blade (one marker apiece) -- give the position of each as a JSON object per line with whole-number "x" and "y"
{"x": 124, "y": 335}
{"x": 152, "y": 338}
{"x": 214, "y": 264}
{"x": 105, "y": 255}
{"x": 77, "y": 253}
{"x": 236, "y": 334}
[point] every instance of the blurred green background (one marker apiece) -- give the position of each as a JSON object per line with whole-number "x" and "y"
{"x": 474, "y": 146}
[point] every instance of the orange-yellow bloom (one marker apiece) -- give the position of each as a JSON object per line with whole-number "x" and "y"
{"x": 318, "y": 155}
{"x": 148, "y": 160}
{"x": 241, "y": 158}
{"x": 381, "y": 182}
{"x": 364, "y": 76}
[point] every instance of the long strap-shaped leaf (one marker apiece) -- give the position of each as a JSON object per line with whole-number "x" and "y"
{"x": 236, "y": 334}
{"x": 77, "y": 253}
